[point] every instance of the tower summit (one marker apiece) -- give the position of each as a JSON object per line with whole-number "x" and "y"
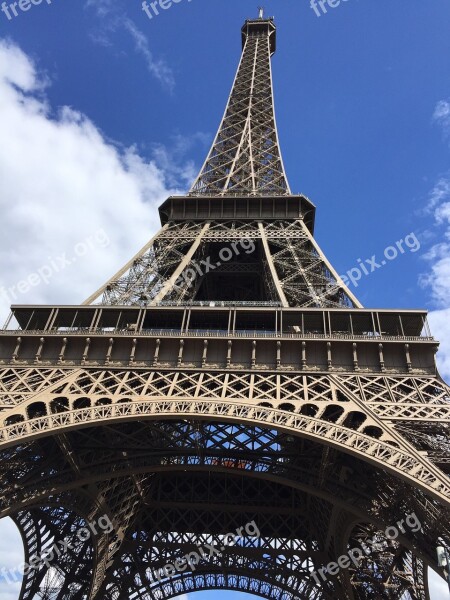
{"x": 223, "y": 413}
{"x": 241, "y": 192}
{"x": 245, "y": 157}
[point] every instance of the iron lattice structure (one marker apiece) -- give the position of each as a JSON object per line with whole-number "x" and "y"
{"x": 245, "y": 157}
{"x": 226, "y": 375}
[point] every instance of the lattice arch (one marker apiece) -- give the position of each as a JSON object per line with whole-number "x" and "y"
{"x": 224, "y": 575}
{"x": 386, "y": 455}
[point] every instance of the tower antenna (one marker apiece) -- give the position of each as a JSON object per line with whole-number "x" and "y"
{"x": 261, "y": 12}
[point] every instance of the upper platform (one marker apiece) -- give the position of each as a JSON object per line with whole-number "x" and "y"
{"x": 260, "y": 27}
{"x": 244, "y": 208}
{"x": 220, "y": 336}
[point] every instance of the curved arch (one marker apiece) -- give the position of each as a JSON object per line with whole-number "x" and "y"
{"x": 358, "y": 510}
{"x": 188, "y": 583}
{"x": 210, "y": 576}
{"x": 286, "y": 406}
{"x": 14, "y": 419}
{"x": 50, "y": 536}
{"x": 373, "y": 431}
{"x": 36, "y": 410}
{"x": 354, "y": 419}
{"x": 379, "y": 452}
{"x": 59, "y": 405}
{"x": 332, "y": 413}
{"x": 80, "y": 403}
{"x": 309, "y": 410}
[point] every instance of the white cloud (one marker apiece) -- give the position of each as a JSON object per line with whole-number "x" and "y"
{"x": 442, "y": 115}
{"x": 172, "y": 161}
{"x": 63, "y": 183}
{"x": 437, "y": 279}
{"x": 112, "y": 19}
{"x": 11, "y": 559}
{"x": 438, "y": 587}
{"x": 440, "y": 192}
{"x": 440, "y": 327}
{"x": 158, "y": 68}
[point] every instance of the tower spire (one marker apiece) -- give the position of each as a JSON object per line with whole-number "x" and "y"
{"x": 242, "y": 190}
{"x": 245, "y": 157}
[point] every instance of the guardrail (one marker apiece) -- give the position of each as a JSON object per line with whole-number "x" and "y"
{"x": 217, "y": 333}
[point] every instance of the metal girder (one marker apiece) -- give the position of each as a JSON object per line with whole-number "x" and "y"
{"x": 185, "y": 255}
{"x": 219, "y": 505}
{"x": 181, "y": 423}
{"x": 245, "y": 157}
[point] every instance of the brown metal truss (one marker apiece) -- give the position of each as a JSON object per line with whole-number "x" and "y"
{"x": 286, "y": 267}
{"x": 245, "y": 157}
{"x": 227, "y": 375}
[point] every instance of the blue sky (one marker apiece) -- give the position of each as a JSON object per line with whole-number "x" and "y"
{"x": 104, "y": 112}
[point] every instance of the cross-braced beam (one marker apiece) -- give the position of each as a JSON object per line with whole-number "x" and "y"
{"x": 245, "y": 157}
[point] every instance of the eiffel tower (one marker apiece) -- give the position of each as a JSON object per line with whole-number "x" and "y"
{"x": 226, "y": 376}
